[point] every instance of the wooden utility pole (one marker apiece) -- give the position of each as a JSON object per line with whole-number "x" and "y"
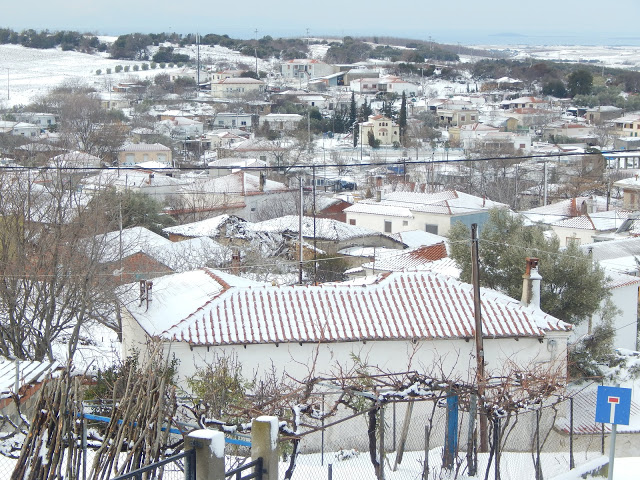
{"x": 480, "y": 379}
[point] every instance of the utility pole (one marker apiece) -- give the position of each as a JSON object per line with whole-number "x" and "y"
{"x": 8, "y": 84}
{"x": 300, "y": 231}
{"x": 255, "y": 50}
{"x": 475, "y": 265}
{"x": 315, "y": 248}
{"x": 544, "y": 196}
{"x": 198, "y": 66}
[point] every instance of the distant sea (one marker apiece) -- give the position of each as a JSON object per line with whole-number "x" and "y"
{"x": 452, "y": 36}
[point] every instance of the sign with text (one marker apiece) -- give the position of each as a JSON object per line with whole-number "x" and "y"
{"x": 613, "y": 405}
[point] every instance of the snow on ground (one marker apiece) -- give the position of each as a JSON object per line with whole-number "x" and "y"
{"x": 33, "y": 72}
{"x": 608, "y": 56}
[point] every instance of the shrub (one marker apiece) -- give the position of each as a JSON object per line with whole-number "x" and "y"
{"x": 98, "y": 72}
{"x": 153, "y": 65}
{"x": 136, "y": 68}
{"x": 145, "y": 66}
{"x": 126, "y": 68}
{"x": 118, "y": 68}
{"x": 162, "y": 65}
{"x": 108, "y": 71}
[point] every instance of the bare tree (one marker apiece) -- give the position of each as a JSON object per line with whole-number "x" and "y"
{"x": 51, "y": 281}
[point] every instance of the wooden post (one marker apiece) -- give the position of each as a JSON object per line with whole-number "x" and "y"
{"x": 209, "y": 447}
{"x": 264, "y": 443}
{"x": 403, "y": 435}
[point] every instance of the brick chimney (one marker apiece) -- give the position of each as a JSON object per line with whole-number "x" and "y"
{"x": 531, "y": 284}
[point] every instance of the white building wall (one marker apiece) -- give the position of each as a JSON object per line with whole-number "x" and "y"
{"x": 417, "y": 222}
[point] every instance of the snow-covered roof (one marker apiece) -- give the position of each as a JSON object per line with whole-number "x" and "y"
{"x": 598, "y": 221}
{"x": 570, "y": 207}
{"x": 612, "y": 249}
{"x": 178, "y": 256}
{"x": 325, "y": 228}
{"x": 450, "y": 202}
{"x": 414, "y": 259}
{"x": 177, "y": 296}
{"x": 31, "y": 372}
{"x": 204, "y": 228}
{"x": 144, "y": 147}
{"x": 132, "y": 178}
{"x": 238, "y": 183}
{"x": 202, "y": 309}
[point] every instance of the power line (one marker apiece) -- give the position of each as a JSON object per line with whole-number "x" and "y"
{"x": 322, "y": 165}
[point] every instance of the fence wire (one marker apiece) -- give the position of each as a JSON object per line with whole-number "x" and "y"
{"x": 532, "y": 444}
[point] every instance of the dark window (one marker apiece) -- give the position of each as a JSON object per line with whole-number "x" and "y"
{"x": 387, "y": 226}
{"x": 429, "y": 228}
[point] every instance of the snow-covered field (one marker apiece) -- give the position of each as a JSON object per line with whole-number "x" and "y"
{"x": 27, "y": 73}
{"x": 618, "y": 57}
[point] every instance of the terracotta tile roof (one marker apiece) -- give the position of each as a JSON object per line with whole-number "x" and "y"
{"x": 413, "y": 259}
{"x": 399, "y": 306}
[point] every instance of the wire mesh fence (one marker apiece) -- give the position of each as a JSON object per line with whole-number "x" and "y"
{"x": 431, "y": 440}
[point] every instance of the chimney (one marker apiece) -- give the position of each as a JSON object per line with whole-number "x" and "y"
{"x": 531, "y": 284}
{"x": 235, "y": 262}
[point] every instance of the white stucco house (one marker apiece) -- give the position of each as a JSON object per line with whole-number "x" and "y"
{"x": 431, "y": 212}
{"x": 394, "y": 322}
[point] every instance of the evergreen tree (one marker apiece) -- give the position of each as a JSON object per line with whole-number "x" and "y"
{"x": 572, "y": 287}
{"x": 402, "y": 119}
{"x": 365, "y": 111}
{"x": 352, "y": 111}
{"x": 580, "y": 82}
{"x": 356, "y": 134}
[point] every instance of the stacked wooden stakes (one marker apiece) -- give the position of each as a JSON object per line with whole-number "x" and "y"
{"x": 137, "y": 434}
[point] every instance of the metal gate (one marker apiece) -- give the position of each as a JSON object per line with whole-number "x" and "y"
{"x": 156, "y": 470}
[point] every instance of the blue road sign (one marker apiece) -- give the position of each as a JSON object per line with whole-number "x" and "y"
{"x": 613, "y": 405}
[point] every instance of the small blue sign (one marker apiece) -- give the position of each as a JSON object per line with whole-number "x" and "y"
{"x": 613, "y": 405}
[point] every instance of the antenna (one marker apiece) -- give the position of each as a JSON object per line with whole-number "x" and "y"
{"x": 255, "y": 50}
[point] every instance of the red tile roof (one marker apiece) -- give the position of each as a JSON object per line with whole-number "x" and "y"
{"x": 400, "y": 306}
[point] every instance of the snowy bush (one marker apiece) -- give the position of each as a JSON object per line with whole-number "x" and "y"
{"x": 145, "y": 66}
{"x": 126, "y": 68}
{"x": 98, "y": 72}
{"x": 118, "y": 68}
{"x": 163, "y": 65}
{"x": 347, "y": 454}
{"x": 153, "y": 65}
{"x": 108, "y": 71}
{"x": 136, "y": 68}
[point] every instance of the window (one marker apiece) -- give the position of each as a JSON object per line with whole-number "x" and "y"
{"x": 352, "y": 221}
{"x": 573, "y": 241}
{"x": 405, "y": 223}
{"x": 243, "y": 123}
{"x": 387, "y": 226}
{"x": 522, "y": 145}
{"x": 430, "y": 228}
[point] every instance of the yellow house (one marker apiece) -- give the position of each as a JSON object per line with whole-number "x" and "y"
{"x": 236, "y": 87}
{"x": 383, "y": 129}
{"x": 136, "y": 153}
{"x": 628, "y": 126}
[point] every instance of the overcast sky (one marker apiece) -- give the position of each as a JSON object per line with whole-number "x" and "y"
{"x": 445, "y": 20}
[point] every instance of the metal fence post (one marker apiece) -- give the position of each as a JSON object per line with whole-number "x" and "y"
{"x": 538, "y": 466}
{"x": 496, "y": 446}
{"x": 84, "y": 445}
{"x": 330, "y": 472}
{"x": 472, "y": 464}
{"x": 571, "y": 460}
